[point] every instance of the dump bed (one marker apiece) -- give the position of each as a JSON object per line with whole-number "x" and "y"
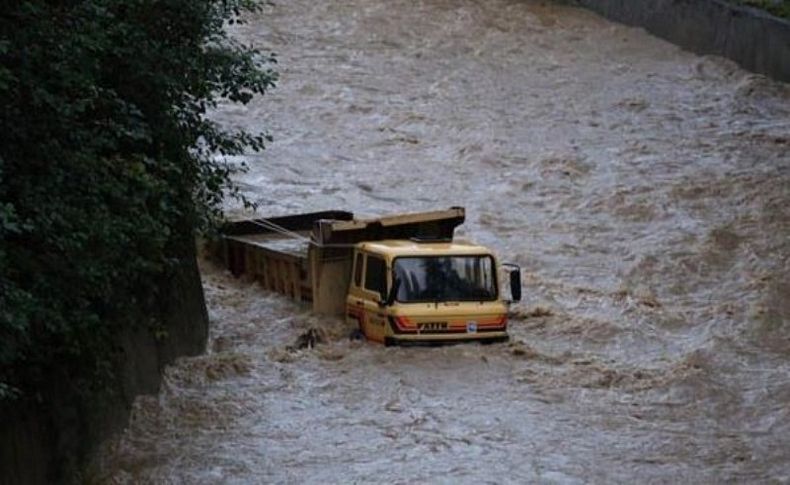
{"x": 308, "y": 256}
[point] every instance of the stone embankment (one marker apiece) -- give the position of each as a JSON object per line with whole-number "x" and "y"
{"x": 757, "y": 41}
{"x": 49, "y": 439}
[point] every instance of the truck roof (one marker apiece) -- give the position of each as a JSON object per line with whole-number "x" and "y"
{"x": 407, "y": 247}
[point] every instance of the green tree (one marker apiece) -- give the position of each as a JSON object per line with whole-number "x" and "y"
{"x": 780, "y": 8}
{"x": 108, "y": 161}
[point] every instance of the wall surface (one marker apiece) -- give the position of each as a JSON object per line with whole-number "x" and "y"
{"x": 49, "y": 441}
{"x": 755, "y": 40}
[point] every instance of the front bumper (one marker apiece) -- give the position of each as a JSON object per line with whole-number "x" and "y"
{"x": 433, "y": 341}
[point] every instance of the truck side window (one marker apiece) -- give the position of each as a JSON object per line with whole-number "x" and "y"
{"x": 358, "y": 270}
{"x": 375, "y": 275}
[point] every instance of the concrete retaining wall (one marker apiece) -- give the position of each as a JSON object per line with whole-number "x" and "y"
{"x": 755, "y": 40}
{"x": 49, "y": 440}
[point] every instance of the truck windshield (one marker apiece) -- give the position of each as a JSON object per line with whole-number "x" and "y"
{"x": 445, "y": 278}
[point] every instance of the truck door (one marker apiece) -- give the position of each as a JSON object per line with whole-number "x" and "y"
{"x": 367, "y": 287}
{"x": 355, "y": 306}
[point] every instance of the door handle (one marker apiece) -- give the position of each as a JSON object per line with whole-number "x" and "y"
{"x": 360, "y": 302}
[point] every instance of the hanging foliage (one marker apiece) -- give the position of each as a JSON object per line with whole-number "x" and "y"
{"x": 108, "y": 161}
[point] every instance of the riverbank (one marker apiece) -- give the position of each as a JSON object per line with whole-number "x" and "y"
{"x": 48, "y": 438}
{"x": 752, "y": 37}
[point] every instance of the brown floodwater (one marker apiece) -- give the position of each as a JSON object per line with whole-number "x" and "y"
{"x": 643, "y": 189}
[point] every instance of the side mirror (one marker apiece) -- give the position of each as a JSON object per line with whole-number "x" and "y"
{"x": 515, "y": 284}
{"x": 515, "y": 281}
{"x": 388, "y": 300}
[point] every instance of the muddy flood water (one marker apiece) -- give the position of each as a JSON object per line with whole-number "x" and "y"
{"x": 644, "y": 190}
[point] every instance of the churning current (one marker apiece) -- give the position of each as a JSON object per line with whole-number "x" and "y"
{"x": 644, "y": 191}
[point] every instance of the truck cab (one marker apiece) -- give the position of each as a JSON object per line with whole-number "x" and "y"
{"x": 426, "y": 292}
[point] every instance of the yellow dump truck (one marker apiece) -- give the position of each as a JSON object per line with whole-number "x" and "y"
{"x": 402, "y": 279}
